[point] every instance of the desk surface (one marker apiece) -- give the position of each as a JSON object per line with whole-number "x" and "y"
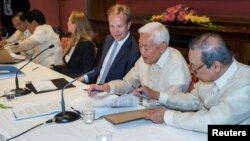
{"x": 78, "y": 130}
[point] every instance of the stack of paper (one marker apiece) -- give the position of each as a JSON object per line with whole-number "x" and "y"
{"x": 37, "y": 109}
{"x": 7, "y": 72}
{"x": 44, "y": 85}
{"x": 126, "y": 100}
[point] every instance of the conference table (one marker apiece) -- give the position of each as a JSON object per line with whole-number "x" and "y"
{"x": 78, "y": 130}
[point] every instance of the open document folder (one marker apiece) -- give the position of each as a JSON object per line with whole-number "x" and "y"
{"x": 43, "y": 86}
{"x": 125, "y": 108}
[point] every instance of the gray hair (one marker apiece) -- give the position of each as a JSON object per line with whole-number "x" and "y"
{"x": 157, "y": 31}
{"x": 213, "y": 49}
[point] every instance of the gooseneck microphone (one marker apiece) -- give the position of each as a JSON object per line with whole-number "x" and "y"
{"x": 24, "y": 91}
{"x": 66, "y": 116}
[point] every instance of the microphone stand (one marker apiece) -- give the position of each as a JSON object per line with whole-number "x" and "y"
{"x": 24, "y": 91}
{"x": 66, "y": 116}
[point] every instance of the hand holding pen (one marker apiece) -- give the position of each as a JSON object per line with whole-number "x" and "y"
{"x": 145, "y": 91}
{"x": 94, "y": 89}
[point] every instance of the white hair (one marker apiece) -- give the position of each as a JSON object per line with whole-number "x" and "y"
{"x": 157, "y": 31}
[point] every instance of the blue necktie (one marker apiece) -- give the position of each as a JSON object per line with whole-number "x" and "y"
{"x": 108, "y": 65}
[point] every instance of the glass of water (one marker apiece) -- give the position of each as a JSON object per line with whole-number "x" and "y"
{"x": 10, "y": 94}
{"x": 88, "y": 116}
{"x": 103, "y": 135}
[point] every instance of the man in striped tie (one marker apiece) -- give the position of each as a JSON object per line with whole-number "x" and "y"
{"x": 120, "y": 51}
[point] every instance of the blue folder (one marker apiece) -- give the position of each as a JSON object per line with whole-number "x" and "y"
{"x": 7, "y": 72}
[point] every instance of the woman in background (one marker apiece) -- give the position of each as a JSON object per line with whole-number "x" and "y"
{"x": 79, "y": 55}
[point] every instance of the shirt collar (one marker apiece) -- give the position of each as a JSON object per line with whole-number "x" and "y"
{"x": 163, "y": 58}
{"x": 26, "y": 32}
{"x": 121, "y": 42}
{"x": 224, "y": 78}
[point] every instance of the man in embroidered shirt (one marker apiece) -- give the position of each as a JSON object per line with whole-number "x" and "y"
{"x": 42, "y": 37}
{"x": 21, "y": 32}
{"x": 160, "y": 67}
{"x": 222, "y": 95}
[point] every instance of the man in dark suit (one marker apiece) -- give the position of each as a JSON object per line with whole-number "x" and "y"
{"x": 121, "y": 51}
{"x": 9, "y": 8}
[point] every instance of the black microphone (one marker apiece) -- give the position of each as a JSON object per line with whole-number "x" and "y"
{"x": 66, "y": 116}
{"x": 24, "y": 91}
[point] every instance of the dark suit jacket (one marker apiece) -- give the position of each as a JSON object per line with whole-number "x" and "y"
{"x": 82, "y": 60}
{"x": 123, "y": 62}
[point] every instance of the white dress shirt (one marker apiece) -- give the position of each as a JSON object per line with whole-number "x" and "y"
{"x": 18, "y": 36}
{"x": 42, "y": 38}
{"x": 68, "y": 56}
{"x": 169, "y": 73}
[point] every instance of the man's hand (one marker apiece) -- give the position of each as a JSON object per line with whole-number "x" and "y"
{"x": 157, "y": 115}
{"x": 92, "y": 91}
{"x": 3, "y": 42}
{"x": 81, "y": 79}
{"x": 150, "y": 93}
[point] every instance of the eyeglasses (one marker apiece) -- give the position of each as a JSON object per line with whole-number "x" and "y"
{"x": 196, "y": 70}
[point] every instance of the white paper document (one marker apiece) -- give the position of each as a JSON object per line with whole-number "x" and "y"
{"x": 43, "y": 85}
{"x": 37, "y": 109}
{"x": 91, "y": 102}
{"x": 19, "y": 57}
{"x": 126, "y": 100}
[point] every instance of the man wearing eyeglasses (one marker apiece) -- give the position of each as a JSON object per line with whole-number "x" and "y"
{"x": 221, "y": 96}
{"x": 21, "y": 32}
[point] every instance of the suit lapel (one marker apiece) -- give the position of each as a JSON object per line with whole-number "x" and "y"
{"x": 125, "y": 47}
{"x": 74, "y": 52}
{"x": 76, "y": 48}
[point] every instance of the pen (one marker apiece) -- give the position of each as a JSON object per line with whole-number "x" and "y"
{"x": 94, "y": 90}
{"x": 35, "y": 68}
{"x": 78, "y": 112}
{"x": 143, "y": 95}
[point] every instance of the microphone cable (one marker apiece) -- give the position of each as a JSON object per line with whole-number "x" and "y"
{"x": 46, "y": 122}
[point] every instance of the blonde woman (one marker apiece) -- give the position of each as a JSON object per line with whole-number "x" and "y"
{"x": 79, "y": 55}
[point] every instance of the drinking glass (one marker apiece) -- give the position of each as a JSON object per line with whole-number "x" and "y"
{"x": 103, "y": 135}
{"x": 10, "y": 94}
{"x": 88, "y": 116}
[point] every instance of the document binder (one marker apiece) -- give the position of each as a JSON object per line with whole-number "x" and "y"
{"x": 127, "y": 116}
{"x": 59, "y": 83}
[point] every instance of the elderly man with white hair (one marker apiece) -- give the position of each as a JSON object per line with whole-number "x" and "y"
{"x": 160, "y": 68}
